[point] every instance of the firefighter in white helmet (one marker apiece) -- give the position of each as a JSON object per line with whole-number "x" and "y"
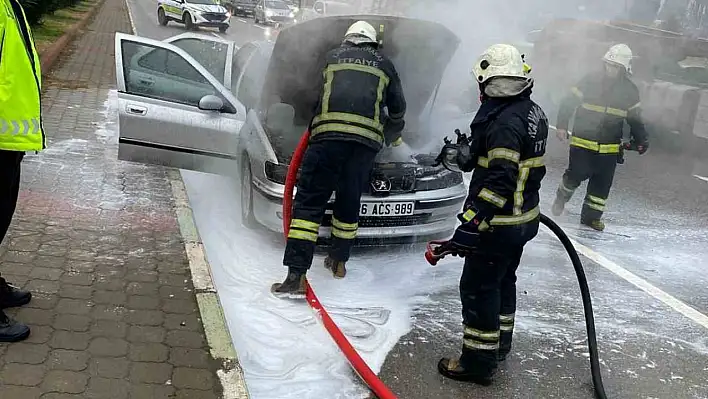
{"x": 602, "y": 102}
{"x": 501, "y": 212}
{"x": 361, "y": 109}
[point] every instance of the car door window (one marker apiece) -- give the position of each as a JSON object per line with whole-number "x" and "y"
{"x": 249, "y": 91}
{"x": 240, "y": 59}
{"x": 209, "y": 53}
{"x": 163, "y": 74}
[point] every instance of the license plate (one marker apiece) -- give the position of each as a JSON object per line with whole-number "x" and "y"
{"x": 386, "y": 209}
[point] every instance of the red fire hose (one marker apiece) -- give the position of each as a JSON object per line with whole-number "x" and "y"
{"x": 358, "y": 364}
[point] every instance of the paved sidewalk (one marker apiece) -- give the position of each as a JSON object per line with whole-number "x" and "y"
{"x": 97, "y": 242}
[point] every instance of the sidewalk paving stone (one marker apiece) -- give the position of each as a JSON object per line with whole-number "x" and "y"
{"x": 97, "y": 242}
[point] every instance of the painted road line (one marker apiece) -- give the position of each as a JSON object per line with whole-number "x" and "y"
{"x": 666, "y": 298}
{"x": 242, "y": 20}
{"x": 230, "y": 374}
{"x": 705, "y": 179}
{"x": 258, "y": 26}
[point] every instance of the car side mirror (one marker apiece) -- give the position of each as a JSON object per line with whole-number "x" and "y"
{"x": 211, "y": 103}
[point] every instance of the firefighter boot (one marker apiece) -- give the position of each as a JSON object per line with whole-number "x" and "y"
{"x": 337, "y": 267}
{"x": 292, "y": 287}
{"x": 453, "y": 369}
{"x": 12, "y": 331}
{"x": 596, "y": 224}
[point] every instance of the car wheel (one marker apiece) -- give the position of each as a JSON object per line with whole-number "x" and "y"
{"x": 255, "y": 19}
{"x": 187, "y": 19}
{"x": 247, "y": 216}
{"x": 161, "y": 18}
{"x": 223, "y": 29}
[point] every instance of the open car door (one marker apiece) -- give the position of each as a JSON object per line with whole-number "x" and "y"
{"x": 171, "y": 110}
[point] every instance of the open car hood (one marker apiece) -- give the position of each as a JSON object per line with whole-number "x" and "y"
{"x": 420, "y": 51}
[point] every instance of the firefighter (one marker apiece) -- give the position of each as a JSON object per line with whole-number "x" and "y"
{"x": 604, "y": 101}
{"x": 349, "y": 128}
{"x": 501, "y": 212}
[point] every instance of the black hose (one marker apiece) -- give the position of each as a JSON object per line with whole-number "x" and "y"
{"x": 587, "y": 305}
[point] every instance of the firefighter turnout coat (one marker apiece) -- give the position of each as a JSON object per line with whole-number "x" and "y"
{"x": 509, "y": 136}
{"x": 359, "y": 82}
{"x": 601, "y": 106}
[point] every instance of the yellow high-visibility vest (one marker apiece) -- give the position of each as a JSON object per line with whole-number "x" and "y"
{"x": 20, "y": 83}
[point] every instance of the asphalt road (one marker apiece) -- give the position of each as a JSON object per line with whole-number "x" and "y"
{"x": 647, "y": 277}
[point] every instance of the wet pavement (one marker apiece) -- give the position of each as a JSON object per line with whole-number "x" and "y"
{"x": 657, "y": 218}
{"x": 96, "y": 241}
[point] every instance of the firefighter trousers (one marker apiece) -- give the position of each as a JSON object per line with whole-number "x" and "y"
{"x": 600, "y": 169}
{"x": 488, "y": 295}
{"x": 343, "y": 167}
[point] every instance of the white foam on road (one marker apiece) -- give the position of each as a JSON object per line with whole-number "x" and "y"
{"x": 644, "y": 285}
{"x": 284, "y": 350}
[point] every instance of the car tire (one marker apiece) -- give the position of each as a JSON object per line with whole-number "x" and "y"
{"x": 223, "y": 29}
{"x": 161, "y": 17}
{"x": 255, "y": 19}
{"x": 247, "y": 215}
{"x": 187, "y": 20}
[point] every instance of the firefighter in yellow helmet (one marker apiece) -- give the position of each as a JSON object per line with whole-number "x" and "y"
{"x": 602, "y": 102}
{"x": 501, "y": 213}
{"x": 361, "y": 109}
{"x": 20, "y": 131}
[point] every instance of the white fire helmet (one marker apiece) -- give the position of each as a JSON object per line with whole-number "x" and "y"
{"x": 500, "y": 60}
{"x": 362, "y": 32}
{"x": 619, "y": 54}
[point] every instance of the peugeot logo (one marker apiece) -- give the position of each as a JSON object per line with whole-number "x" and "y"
{"x": 381, "y": 186}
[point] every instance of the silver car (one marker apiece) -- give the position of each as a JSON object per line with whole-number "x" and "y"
{"x": 198, "y": 102}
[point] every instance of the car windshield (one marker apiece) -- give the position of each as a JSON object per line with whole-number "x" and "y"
{"x": 203, "y": 1}
{"x": 277, "y": 5}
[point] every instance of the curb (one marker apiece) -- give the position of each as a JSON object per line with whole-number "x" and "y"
{"x": 230, "y": 372}
{"x": 217, "y": 333}
{"x": 51, "y": 54}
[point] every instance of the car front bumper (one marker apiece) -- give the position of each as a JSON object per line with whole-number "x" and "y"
{"x": 279, "y": 20}
{"x": 435, "y": 214}
{"x": 212, "y": 20}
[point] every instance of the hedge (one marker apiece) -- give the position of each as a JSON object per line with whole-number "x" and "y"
{"x": 36, "y": 9}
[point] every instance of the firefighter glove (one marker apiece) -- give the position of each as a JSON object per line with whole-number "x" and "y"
{"x": 463, "y": 242}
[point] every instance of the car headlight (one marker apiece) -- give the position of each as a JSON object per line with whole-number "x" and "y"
{"x": 269, "y": 13}
{"x": 277, "y": 172}
{"x": 228, "y": 15}
{"x": 292, "y": 15}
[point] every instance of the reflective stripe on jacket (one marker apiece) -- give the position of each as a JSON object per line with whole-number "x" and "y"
{"x": 602, "y": 105}
{"x": 358, "y": 84}
{"x": 20, "y": 83}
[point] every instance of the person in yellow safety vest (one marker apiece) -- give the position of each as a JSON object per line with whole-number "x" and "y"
{"x": 602, "y": 102}
{"x": 21, "y": 130}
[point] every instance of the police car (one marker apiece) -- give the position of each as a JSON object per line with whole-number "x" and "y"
{"x": 194, "y": 13}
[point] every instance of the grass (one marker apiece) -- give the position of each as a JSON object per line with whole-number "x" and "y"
{"x": 54, "y": 25}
